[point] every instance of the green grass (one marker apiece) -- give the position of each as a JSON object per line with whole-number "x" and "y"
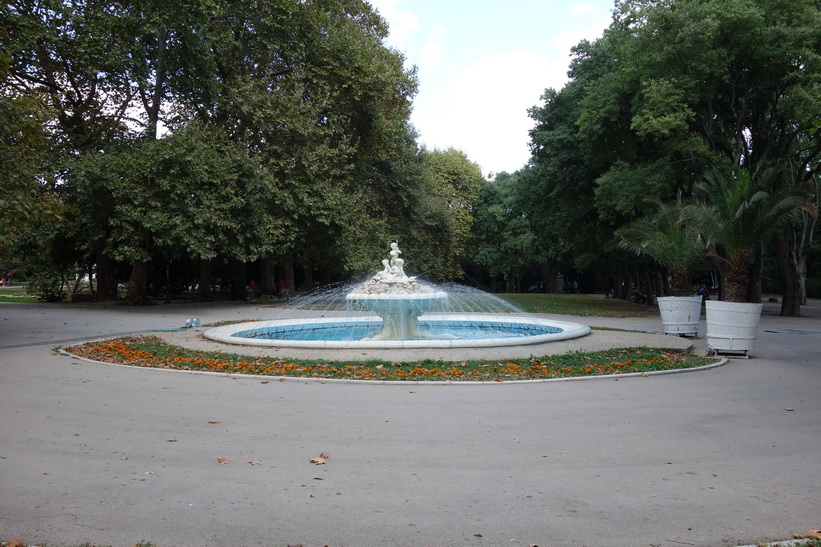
{"x": 16, "y": 293}
{"x": 584, "y": 305}
{"x": 155, "y": 353}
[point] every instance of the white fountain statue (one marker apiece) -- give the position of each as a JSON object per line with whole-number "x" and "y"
{"x": 398, "y": 299}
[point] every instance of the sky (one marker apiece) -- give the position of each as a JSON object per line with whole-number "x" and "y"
{"x": 482, "y": 65}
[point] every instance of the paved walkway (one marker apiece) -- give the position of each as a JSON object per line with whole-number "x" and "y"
{"x": 115, "y": 455}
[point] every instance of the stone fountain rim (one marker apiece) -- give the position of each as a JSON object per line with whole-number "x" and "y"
{"x": 225, "y": 334}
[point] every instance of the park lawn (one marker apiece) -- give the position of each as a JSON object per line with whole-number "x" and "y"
{"x": 17, "y": 293}
{"x": 150, "y": 351}
{"x": 583, "y": 305}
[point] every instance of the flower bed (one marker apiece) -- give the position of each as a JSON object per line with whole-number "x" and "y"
{"x": 152, "y": 352}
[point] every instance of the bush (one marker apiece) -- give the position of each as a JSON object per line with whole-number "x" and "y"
{"x": 47, "y": 288}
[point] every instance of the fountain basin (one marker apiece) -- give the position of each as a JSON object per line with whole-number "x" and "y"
{"x": 462, "y": 331}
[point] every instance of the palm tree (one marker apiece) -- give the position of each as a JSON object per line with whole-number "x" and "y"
{"x": 734, "y": 216}
{"x": 668, "y": 240}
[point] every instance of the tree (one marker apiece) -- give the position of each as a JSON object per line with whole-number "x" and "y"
{"x": 28, "y": 197}
{"x": 504, "y": 240}
{"x": 668, "y": 240}
{"x": 192, "y": 194}
{"x": 108, "y": 71}
{"x": 443, "y": 234}
{"x": 733, "y": 217}
{"x": 306, "y": 89}
{"x": 732, "y": 84}
{"x": 676, "y": 88}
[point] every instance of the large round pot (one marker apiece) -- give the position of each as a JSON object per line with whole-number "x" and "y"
{"x": 680, "y": 314}
{"x": 732, "y": 326}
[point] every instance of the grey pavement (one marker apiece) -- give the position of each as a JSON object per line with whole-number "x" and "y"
{"x": 115, "y": 455}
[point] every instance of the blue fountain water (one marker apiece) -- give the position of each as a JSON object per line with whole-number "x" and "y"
{"x": 347, "y": 331}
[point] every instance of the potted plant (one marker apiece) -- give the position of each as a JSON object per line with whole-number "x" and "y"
{"x": 734, "y": 216}
{"x": 677, "y": 247}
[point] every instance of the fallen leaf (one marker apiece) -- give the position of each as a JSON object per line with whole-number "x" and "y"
{"x": 798, "y": 536}
{"x": 318, "y": 479}
{"x": 215, "y": 422}
{"x": 171, "y": 440}
{"x": 815, "y": 534}
{"x": 282, "y": 379}
{"x": 223, "y": 461}
{"x": 323, "y": 457}
{"x": 379, "y": 367}
{"x": 788, "y": 409}
{"x": 264, "y": 382}
{"x": 255, "y": 462}
{"x": 477, "y": 535}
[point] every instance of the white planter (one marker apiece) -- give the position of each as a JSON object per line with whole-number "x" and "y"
{"x": 680, "y": 314}
{"x": 732, "y": 326}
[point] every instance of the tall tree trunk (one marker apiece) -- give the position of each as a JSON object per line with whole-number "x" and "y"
{"x": 492, "y": 284}
{"x": 138, "y": 284}
{"x": 204, "y": 279}
{"x": 622, "y": 284}
{"x": 289, "y": 274}
{"x": 723, "y": 271}
{"x": 106, "y": 283}
{"x": 756, "y": 274}
{"x": 267, "y": 280}
{"x": 237, "y": 279}
{"x": 737, "y": 284}
{"x": 789, "y": 274}
{"x": 550, "y": 270}
{"x": 308, "y": 267}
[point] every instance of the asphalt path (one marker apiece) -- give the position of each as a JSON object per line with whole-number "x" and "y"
{"x": 109, "y": 455}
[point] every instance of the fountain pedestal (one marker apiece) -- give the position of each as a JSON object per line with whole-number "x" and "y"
{"x": 399, "y": 312}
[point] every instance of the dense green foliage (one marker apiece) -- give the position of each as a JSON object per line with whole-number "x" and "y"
{"x": 185, "y": 140}
{"x": 201, "y": 144}
{"x": 673, "y": 91}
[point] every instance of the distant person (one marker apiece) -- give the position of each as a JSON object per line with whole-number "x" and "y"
{"x": 575, "y": 287}
{"x": 284, "y": 289}
{"x": 639, "y": 295}
{"x": 703, "y": 291}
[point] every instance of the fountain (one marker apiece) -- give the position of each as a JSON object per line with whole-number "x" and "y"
{"x": 398, "y": 299}
{"x": 392, "y": 310}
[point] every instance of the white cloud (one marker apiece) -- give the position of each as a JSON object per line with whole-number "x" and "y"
{"x": 484, "y": 111}
{"x": 403, "y": 23}
{"x": 479, "y": 105}
{"x": 582, "y": 9}
{"x": 566, "y": 40}
{"x": 431, "y": 53}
